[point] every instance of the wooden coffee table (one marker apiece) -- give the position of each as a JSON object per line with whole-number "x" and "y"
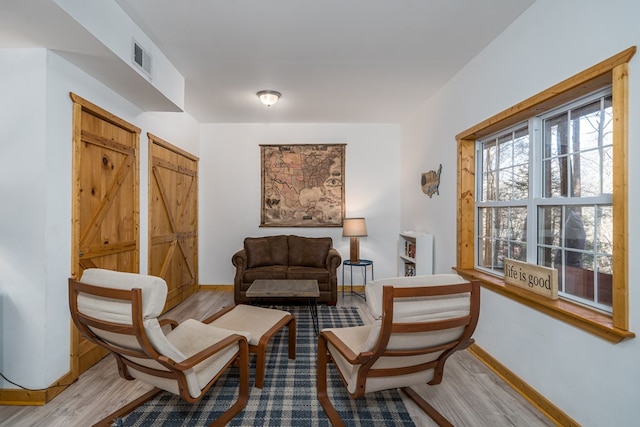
{"x": 289, "y": 288}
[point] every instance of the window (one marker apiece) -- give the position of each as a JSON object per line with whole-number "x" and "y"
{"x": 556, "y": 185}
{"x": 545, "y": 182}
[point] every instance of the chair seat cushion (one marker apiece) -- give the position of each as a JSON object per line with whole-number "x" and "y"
{"x": 251, "y": 319}
{"x": 191, "y": 337}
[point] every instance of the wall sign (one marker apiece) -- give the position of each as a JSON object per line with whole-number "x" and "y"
{"x": 532, "y": 277}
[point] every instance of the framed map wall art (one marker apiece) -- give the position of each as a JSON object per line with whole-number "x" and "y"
{"x": 302, "y": 185}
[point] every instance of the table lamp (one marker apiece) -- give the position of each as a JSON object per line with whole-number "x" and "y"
{"x": 354, "y": 228}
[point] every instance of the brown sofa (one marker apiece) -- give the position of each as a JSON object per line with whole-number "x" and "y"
{"x": 287, "y": 257}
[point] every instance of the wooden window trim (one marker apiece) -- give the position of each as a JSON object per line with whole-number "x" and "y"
{"x": 612, "y": 71}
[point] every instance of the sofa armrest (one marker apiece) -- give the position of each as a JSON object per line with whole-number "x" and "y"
{"x": 239, "y": 260}
{"x": 333, "y": 261}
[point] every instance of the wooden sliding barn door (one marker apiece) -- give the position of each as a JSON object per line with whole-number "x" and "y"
{"x": 173, "y": 218}
{"x": 105, "y": 217}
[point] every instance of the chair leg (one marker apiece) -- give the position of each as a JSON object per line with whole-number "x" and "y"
{"x": 243, "y": 388}
{"x": 426, "y": 407}
{"x": 261, "y": 363}
{"x": 323, "y": 397}
{"x": 261, "y": 349}
{"x": 292, "y": 337}
{"x": 109, "y": 419}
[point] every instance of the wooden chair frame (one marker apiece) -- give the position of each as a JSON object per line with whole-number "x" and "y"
{"x": 368, "y": 359}
{"x": 174, "y": 370}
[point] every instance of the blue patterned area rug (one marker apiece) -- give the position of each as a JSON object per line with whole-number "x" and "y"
{"x": 289, "y": 395}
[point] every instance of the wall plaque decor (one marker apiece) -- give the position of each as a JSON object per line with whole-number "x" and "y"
{"x": 431, "y": 182}
{"x": 302, "y": 185}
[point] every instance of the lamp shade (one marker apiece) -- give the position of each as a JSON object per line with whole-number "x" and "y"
{"x": 354, "y": 227}
{"x": 268, "y": 97}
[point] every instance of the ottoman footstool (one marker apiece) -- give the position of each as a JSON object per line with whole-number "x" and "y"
{"x": 262, "y": 324}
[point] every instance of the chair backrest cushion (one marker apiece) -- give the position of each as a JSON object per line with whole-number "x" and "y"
{"x": 408, "y": 307}
{"x": 410, "y": 310}
{"x": 154, "y": 295}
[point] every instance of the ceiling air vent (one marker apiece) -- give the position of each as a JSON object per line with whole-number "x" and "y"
{"x": 141, "y": 58}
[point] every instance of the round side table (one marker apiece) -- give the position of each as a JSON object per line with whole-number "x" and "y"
{"x": 364, "y": 263}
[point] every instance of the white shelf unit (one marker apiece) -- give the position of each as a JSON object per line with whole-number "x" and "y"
{"x": 415, "y": 254}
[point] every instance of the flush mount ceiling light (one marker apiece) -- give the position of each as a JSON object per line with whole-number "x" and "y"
{"x": 268, "y": 97}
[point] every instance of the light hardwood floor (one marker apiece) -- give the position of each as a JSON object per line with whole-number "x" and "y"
{"x": 470, "y": 394}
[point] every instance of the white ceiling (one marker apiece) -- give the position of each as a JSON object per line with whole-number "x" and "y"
{"x": 334, "y": 61}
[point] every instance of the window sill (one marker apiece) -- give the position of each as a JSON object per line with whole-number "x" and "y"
{"x": 588, "y": 320}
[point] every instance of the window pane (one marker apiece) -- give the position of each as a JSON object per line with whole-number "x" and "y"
{"x": 574, "y": 237}
{"x": 518, "y": 251}
{"x": 545, "y": 258}
{"x": 585, "y": 125}
{"x": 578, "y": 282}
{"x": 500, "y": 253}
{"x": 489, "y": 186}
{"x": 556, "y": 136}
{"x": 586, "y": 174}
{"x": 607, "y": 170}
{"x": 549, "y": 218}
{"x": 604, "y": 281}
{"x": 556, "y": 147}
{"x": 505, "y": 149}
{"x": 607, "y": 126}
{"x": 604, "y": 230}
{"x": 484, "y": 253}
{"x": 521, "y": 182}
{"x": 489, "y": 156}
{"x": 501, "y": 223}
{"x": 505, "y": 184}
{"x": 518, "y": 224}
{"x": 555, "y": 184}
{"x": 521, "y": 147}
{"x": 484, "y": 222}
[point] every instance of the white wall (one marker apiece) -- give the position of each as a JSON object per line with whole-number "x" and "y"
{"x": 230, "y": 190}
{"x": 594, "y": 382}
{"x": 22, "y": 211}
{"x": 35, "y": 212}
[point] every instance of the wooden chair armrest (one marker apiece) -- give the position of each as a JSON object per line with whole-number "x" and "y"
{"x": 218, "y": 314}
{"x": 208, "y": 352}
{"x": 343, "y": 349}
{"x": 170, "y": 322}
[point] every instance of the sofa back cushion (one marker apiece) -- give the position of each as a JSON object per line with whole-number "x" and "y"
{"x": 264, "y": 251}
{"x": 309, "y": 251}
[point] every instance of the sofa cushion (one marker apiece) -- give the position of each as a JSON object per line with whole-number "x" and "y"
{"x": 309, "y": 251}
{"x": 258, "y": 251}
{"x": 267, "y": 273}
{"x": 279, "y": 249}
{"x": 308, "y": 273}
{"x": 265, "y": 251}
